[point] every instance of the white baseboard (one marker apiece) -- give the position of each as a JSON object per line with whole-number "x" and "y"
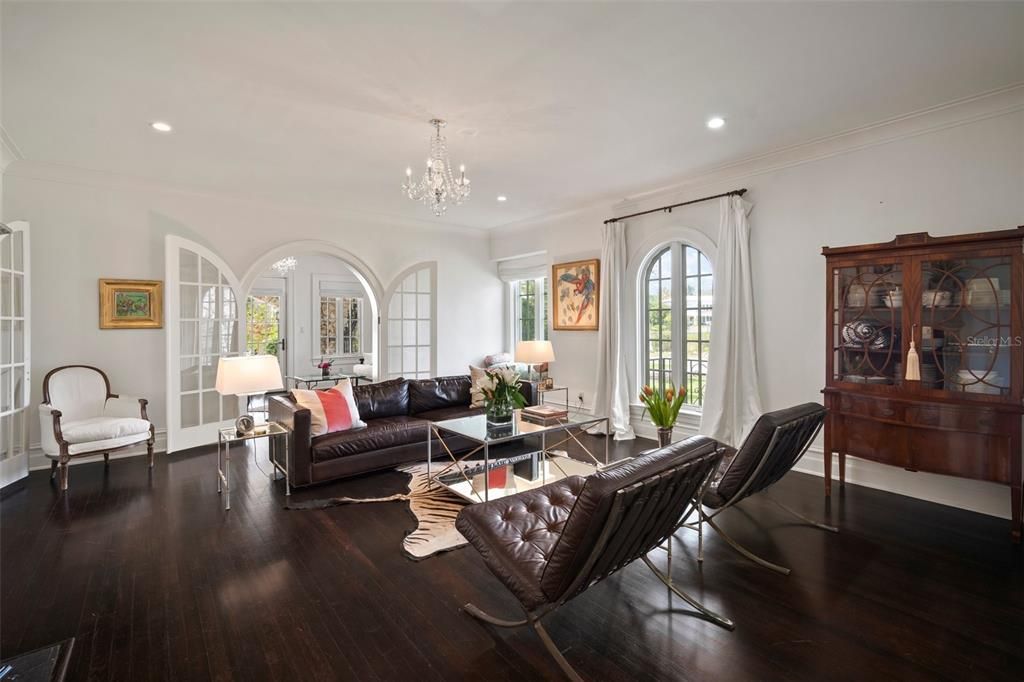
{"x": 37, "y": 460}
{"x": 978, "y": 496}
{"x": 983, "y": 497}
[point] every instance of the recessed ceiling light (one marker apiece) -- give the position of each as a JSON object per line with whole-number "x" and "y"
{"x": 161, "y": 127}
{"x": 716, "y": 122}
{"x": 502, "y": 197}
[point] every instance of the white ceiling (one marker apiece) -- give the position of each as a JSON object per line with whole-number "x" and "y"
{"x": 326, "y": 104}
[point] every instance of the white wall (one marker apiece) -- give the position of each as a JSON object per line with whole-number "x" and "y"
{"x": 86, "y": 226}
{"x": 945, "y": 179}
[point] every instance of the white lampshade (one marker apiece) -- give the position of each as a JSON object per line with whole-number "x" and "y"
{"x": 248, "y": 375}
{"x": 535, "y": 352}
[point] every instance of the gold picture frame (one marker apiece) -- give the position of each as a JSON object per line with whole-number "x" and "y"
{"x": 131, "y": 304}
{"x": 575, "y": 295}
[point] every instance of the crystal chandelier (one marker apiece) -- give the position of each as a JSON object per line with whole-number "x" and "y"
{"x": 285, "y": 265}
{"x": 438, "y": 186}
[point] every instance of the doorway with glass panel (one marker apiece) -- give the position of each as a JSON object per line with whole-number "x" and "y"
{"x": 15, "y": 361}
{"x": 265, "y": 319}
{"x": 265, "y": 325}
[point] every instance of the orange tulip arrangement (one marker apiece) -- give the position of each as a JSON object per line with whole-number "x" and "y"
{"x": 663, "y": 406}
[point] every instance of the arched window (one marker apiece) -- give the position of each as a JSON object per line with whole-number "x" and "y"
{"x": 677, "y": 288}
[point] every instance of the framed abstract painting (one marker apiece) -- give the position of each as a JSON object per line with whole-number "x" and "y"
{"x": 131, "y": 304}
{"x": 577, "y": 288}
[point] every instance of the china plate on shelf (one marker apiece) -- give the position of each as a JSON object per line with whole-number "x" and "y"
{"x": 870, "y": 333}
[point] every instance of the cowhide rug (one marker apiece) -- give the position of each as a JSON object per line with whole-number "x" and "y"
{"x": 435, "y": 510}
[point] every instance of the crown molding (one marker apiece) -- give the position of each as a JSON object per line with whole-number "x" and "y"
{"x": 991, "y": 104}
{"x": 46, "y": 171}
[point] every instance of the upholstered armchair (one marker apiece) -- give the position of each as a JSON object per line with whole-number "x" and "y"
{"x": 81, "y": 417}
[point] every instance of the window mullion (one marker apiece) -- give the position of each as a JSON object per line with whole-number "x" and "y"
{"x": 678, "y": 315}
{"x": 538, "y": 309}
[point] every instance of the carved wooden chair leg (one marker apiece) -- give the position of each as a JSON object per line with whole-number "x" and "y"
{"x": 149, "y": 451}
{"x": 63, "y": 475}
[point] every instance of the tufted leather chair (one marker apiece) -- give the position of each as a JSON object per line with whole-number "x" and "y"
{"x": 80, "y": 417}
{"x": 774, "y": 445}
{"x": 550, "y": 544}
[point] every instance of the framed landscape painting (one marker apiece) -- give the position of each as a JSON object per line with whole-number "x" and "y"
{"x": 131, "y": 304}
{"x": 577, "y": 289}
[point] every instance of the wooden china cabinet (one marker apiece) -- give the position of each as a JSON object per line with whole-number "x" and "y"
{"x": 960, "y": 299}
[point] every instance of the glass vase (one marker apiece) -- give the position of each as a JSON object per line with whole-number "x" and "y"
{"x": 500, "y": 411}
{"x": 664, "y": 436}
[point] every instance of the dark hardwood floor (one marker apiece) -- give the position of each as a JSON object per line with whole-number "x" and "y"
{"x": 155, "y": 581}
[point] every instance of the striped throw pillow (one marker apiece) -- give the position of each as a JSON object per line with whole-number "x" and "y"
{"x": 330, "y": 411}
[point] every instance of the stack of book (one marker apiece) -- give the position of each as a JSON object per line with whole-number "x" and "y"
{"x": 545, "y": 414}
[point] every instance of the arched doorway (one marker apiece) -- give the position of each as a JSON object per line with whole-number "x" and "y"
{"x": 314, "y": 284}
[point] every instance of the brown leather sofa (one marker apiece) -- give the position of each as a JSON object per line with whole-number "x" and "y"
{"x": 396, "y": 413}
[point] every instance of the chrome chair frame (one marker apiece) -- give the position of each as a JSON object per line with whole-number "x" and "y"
{"x": 705, "y": 517}
{"x": 612, "y": 558}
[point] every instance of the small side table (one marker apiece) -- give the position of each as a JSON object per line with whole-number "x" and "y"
{"x": 226, "y": 437}
{"x": 315, "y": 380}
{"x": 542, "y": 393}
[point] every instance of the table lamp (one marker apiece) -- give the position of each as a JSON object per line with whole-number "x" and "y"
{"x": 248, "y": 375}
{"x": 534, "y": 353}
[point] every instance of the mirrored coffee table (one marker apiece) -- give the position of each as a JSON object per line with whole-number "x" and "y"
{"x": 480, "y": 474}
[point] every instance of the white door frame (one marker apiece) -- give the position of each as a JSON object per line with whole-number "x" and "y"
{"x": 360, "y": 269}
{"x": 16, "y": 467}
{"x": 282, "y": 287}
{"x": 385, "y": 361}
{"x": 179, "y": 438}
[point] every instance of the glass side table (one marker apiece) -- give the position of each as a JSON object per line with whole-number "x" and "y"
{"x": 543, "y": 392}
{"x": 226, "y": 437}
{"x": 313, "y": 380}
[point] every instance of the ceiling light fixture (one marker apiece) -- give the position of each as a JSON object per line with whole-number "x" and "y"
{"x": 285, "y": 265}
{"x": 438, "y": 186}
{"x": 716, "y": 122}
{"x": 161, "y": 126}
{"x": 502, "y": 197}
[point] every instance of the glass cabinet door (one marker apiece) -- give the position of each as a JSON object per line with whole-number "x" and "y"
{"x": 867, "y": 328}
{"x": 966, "y": 333}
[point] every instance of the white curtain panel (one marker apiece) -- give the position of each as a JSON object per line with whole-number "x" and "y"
{"x": 612, "y": 393}
{"x": 732, "y": 400}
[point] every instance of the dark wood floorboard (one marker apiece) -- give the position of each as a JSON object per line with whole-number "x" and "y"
{"x": 156, "y": 582}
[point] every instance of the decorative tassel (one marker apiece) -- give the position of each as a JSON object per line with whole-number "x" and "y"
{"x": 913, "y": 364}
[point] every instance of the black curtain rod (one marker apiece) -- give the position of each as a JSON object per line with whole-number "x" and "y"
{"x": 668, "y": 209}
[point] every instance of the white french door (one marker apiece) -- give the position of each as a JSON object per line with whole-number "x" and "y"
{"x": 15, "y": 364}
{"x": 410, "y": 336}
{"x": 203, "y": 325}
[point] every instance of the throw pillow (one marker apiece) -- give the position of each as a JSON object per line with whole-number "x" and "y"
{"x": 330, "y": 411}
{"x": 498, "y": 359}
{"x": 476, "y": 375}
